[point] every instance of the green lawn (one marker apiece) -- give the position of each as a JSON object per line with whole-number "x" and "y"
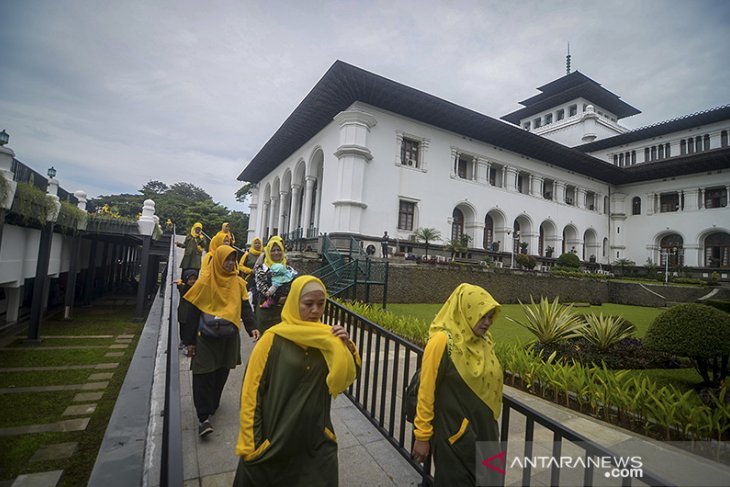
{"x": 48, "y": 407}
{"x": 506, "y": 331}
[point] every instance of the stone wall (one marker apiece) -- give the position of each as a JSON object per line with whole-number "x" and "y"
{"x": 411, "y": 283}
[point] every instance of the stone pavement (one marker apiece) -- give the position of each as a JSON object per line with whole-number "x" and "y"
{"x": 365, "y": 456}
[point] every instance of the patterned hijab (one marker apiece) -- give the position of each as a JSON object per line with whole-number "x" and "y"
{"x": 472, "y": 355}
{"x": 340, "y": 362}
{"x": 275, "y": 240}
{"x": 219, "y": 292}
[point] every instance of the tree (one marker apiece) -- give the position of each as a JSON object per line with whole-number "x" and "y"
{"x": 427, "y": 235}
{"x": 153, "y": 188}
{"x": 623, "y": 263}
{"x": 244, "y": 191}
{"x": 458, "y": 246}
{"x": 188, "y": 192}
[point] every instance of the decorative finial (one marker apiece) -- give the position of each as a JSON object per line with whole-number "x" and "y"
{"x": 567, "y": 61}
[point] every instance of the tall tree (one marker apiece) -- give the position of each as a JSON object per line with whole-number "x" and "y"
{"x": 153, "y": 188}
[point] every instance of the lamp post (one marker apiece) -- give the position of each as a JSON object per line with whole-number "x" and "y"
{"x": 4, "y": 138}
{"x": 666, "y": 254}
{"x": 515, "y": 238}
{"x": 51, "y": 172}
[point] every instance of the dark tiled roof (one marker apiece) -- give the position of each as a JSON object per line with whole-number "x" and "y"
{"x": 712, "y": 160}
{"x": 661, "y": 128}
{"x": 567, "y": 88}
{"x": 344, "y": 84}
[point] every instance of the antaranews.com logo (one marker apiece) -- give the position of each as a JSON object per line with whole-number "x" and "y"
{"x": 494, "y": 465}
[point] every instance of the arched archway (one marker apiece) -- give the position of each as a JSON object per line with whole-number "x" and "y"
{"x": 498, "y": 221}
{"x": 671, "y": 247}
{"x": 547, "y": 238}
{"x": 488, "y": 232}
{"x": 313, "y": 189}
{"x": 590, "y": 245}
{"x": 570, "y": 239}
{"x": 457, "y": 224}
{"x": 717, "y": 250}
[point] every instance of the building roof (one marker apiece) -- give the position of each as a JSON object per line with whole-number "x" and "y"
{"x": 704, "y": 117}
{"x": 344, "y": 84}
{"x": 569, "y": 87}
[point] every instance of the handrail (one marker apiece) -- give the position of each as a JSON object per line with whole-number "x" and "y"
{"x": 385, "y": 374}
{"x": 171, "y": 471}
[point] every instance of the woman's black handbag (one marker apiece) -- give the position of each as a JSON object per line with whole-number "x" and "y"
{"x": 216, "y": 327}
{"x": 410, "y": 398}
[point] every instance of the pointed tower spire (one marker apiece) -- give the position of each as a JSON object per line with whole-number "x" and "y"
{"x": 567, "y": 61}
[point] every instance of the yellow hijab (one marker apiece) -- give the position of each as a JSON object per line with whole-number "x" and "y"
{"x": 196, "y": 225}
{"x": 472, "y": 355}
{"x": 219, "y": 292}
{"x": 340, "y": 362}
{"x": 215, "y": 242}
{"x": 226, "y": 228}
{"x": 252, "y": 250}
{"x": 275, "y": 240}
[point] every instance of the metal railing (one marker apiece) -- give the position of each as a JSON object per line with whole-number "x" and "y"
{"x": 388, "y": 361}
{"x": 171, "y": 470}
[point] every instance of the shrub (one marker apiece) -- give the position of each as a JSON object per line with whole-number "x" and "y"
{"x": 697, "y": 331}
{"x": 721, "y": 305}
{"x": 569, "y": 260}
{"x": 605, "y": 331}
{"x": 526, "y": 261}
{"x": 629, "y": 353}
{"x": 549, "y": 322}
{"x": 687, "y": 280}
{"x": 714, "y": 278}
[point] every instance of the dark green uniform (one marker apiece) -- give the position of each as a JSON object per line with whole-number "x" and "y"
{"x": 293, "y": 415}
{"x": 191, "y": 258}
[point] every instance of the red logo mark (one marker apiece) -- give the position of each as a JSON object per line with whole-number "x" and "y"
{"x": 500, "y": 462}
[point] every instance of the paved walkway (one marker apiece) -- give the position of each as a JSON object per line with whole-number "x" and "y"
{"x": 365, "y": 457}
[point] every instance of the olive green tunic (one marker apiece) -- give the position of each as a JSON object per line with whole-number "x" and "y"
{"x": 293, "y": 414}
{"x": 192, "y": 257}
{"x": 461, "y": 419}
{"x": 212, "y": 354}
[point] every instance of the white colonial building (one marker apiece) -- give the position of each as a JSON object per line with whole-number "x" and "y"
{"x": 363, "y": 154}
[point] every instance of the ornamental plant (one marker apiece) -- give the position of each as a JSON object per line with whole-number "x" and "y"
{"x": 549, "y": 322}
{"x": 569, "y": 260}
{"x": 605, "y": 331}
{"x": 697, "y": 331}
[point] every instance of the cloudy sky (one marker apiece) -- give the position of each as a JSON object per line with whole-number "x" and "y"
{"x": 116, "y": 93}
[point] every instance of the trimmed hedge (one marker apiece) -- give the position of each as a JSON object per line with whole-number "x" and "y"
{"x": 569, "y": 260}
{"x": 721, "y": 305}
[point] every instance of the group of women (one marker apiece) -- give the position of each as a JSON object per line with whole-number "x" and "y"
{"x": 298, "y": 365}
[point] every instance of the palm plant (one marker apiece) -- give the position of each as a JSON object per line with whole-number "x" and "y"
{"x": 623, "y": 263}
{"x": 549, "y": 322}
{"x": 605, "y": 331}
{"x": 427, "y": 235}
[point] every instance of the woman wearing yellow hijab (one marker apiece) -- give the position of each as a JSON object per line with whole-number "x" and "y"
{"x": 295, "y": 370}
{"x": 460, "y": 395}
{"x": 249, "y": 258}
{"x": 215, "y": 242}
{"x": 222, "y": 294}
{"x": 275, "y": 253}
{"x": 194, "y": 244}
{"x": 226, "y": 228}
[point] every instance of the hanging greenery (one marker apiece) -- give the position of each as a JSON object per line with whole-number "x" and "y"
{"x": 4, "y": 188}
{"x": 99, "y": 222}
{"x": 70, "y": 216}
{"x": 31, "y": 204}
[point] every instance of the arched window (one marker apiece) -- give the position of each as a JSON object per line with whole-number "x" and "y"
{"x": 457, "y": 224}
{"x": 516, "y": 238}
{"x": 488, "y": 233}
{"x": 636, "y": 206}
{"x": 717, "y": 250}
{"x": 671, "y": 246}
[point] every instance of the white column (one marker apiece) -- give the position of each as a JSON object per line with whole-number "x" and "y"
{"x": 482, "y": 171}
{"x": 283, "y": 207}
{"x": 488, "y": 169}
{"x": 353, "y": 154}
{"x": 650, "y": 204}
{"x": 580, "y": 197}
{"x": 272, "y": 215}
{"x": 454, "y": 161}
{"x": 559, "y": 191}
{"x": 296, "y": 190}
{"x": 701, "y": 203}
{"x": 691, "y": 199}
{"x": 253, "y": 216}
{"x": 307, "y": 214}
{"x": 536, "y": 183}
{"x": 264, "y": 219}
{"x": 510, "y": 178}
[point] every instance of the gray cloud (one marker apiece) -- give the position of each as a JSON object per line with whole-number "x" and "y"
{"x": 116, "y": 93}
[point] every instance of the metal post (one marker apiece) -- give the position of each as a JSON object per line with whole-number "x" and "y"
{"x": 73, "y": 268}
{"x": 367, "y": 280}
{"x": 40, "y": 282}
{"x": 142, "y": 286}
{"x": 385, "y": 287}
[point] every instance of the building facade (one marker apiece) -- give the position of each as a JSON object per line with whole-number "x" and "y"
{"x": 362, "y": 155}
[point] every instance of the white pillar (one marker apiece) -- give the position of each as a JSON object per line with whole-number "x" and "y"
{"x": 283, "y": 208}
{"x": 272, "y": 215}
{"x": 580, "y": 197}
{"x": 691, "y": 199}
{"x": 307, "y": 213}
{"x": 253, "y": 216}
{"x": 264, "y": 219}
{"x": 536, "y": 183}
{"x": 296, "y": 190}
{"x": 353, "y": 154}
{"x": 510, "y": 178}
{"x": 559, "y": 191}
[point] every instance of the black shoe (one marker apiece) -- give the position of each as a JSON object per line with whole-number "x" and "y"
{"x": 204, "y": 428}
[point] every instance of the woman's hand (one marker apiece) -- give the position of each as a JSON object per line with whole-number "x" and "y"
{"x": 191, "y": 351}
{"x": 420, "y": 450}
{"x": 342, "y": 334}
{"x": 255, "y": 335}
